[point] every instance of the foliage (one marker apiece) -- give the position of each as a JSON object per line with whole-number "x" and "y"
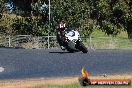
{"x": 1, "y": 7}
{"x": 5, "y": 26}
{"x": 29, "y": 26}
{"x": 110, "y": 16}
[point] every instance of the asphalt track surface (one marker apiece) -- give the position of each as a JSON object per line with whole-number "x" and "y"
{"x": 32, "y": 63}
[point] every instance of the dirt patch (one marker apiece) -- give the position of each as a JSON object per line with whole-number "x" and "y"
{"x": 34, "y": 82}
{"x": 54, "y": 81}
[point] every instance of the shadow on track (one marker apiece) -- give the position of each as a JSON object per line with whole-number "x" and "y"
{"x": 60, "y": 52}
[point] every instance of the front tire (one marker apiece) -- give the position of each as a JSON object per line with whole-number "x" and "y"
{"x": 82, "y": 47}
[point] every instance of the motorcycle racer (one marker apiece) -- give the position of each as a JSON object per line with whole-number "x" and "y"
{"x": 61, "y": 34}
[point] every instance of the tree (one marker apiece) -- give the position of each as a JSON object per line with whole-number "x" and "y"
{"x": 23, "y": 5}
{"x": 5, "y": 26}
{"x": 2, "y": 2}
{"x": 75, "y": 13}
{"x": 110, "y": 16}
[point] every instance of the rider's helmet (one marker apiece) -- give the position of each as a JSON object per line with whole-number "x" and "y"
{"x": 62, "y": 26}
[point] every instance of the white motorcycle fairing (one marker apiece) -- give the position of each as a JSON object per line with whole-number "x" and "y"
{"x": 72, "y": 35}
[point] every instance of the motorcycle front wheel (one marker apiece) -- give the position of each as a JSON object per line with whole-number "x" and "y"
{"x": 82, "y": 47}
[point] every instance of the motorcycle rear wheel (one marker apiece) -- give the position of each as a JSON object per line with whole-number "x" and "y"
{"x": 70, "y": 50}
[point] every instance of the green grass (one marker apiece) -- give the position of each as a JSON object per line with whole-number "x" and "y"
{"x": 77, "y": 85}
{"x": 99, "y": 33}
{"x": 99, "y": 40}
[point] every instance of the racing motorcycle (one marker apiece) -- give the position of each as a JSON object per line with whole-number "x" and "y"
{"x": 71, "y": 41}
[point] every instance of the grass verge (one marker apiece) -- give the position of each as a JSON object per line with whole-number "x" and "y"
{"x": 64, "y": 82}
{"x": 76, "y": 85}
{"x": 99, "y": 40}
